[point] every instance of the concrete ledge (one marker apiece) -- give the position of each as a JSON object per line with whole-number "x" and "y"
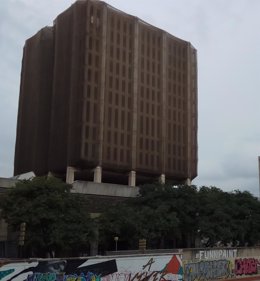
{"x": 104, "y": 189}
{"x": 7, "y": 182}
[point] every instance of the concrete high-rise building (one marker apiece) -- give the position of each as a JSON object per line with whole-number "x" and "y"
{"x": 109, "y": 95}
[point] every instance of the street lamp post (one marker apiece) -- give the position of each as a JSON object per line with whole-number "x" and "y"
{"x": 116, "y": 239}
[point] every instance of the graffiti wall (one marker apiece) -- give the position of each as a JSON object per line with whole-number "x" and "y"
{"x": 221, "y": 265}
{"x": 134, "y": 268}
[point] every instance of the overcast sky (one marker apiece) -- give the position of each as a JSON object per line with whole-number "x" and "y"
{"x": 226, "y": 34}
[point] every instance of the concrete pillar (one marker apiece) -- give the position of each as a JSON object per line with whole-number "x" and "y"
{"x": 188, "y": 182}
{"x": 98, "y": 174}
{"x": 162, "y": 179}
{"x": 70, "y": 175}
{"x": 132, "y": 178}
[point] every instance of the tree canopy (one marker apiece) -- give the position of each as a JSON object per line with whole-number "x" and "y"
{"x": 56, "y": 220}
{"x": 167, "y": 216}
{"x": 170, "y": 216}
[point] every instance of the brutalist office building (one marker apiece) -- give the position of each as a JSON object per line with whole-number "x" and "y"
{"x": 111, "y": 96}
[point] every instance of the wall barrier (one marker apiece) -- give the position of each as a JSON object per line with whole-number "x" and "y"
{"x": 221, "y": 264}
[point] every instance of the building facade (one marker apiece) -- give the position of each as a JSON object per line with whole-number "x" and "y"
{"x": 110, "y": 95}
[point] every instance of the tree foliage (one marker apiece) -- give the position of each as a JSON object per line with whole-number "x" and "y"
{"x": 56, "y": 220}
{"x": 183, "y": 216}
{"x": 167, "y": 216}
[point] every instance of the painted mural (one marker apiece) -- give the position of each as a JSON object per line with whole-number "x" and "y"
{"x": 221, "y": 264}
{"x": 133, "y": 268}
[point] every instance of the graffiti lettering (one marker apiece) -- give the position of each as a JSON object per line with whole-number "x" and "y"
{"x": 140, "y": 276}
{"x": 5, "y": 273}
{"x": 207, "y": 270}
{"x": 145, "y": 276}
{"x": 149, "y": 264}
{"x": 62, "y": 277}
{"x": 216, "y": 254}
{"x": 42, "y": 277}
{"x": 246, "y": 266}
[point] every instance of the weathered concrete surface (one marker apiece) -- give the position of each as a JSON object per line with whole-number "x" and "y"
{"x": 7, "y": 182}
{"x": 104, "y": 189}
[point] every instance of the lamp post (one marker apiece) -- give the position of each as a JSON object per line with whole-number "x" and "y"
{"x": 116, "y": 239}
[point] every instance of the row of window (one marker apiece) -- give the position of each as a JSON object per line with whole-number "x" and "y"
{"x": 152, "y": 95}
{"x": 119, "y": 23}
{"x": 177, "y": 75}
{"x": 151, "y": 37}
{"x": 177, "y": 89}
{"x": 149, "y": 80}
{"x": 176, "y": 133}
{"x": 149, "y": 127}
{"x": 148, "y": 160}
{"x": 117, "y": 139}
{"x": 120, "y": 39}
{"x": 118, "y": 119}
{"x": 148, "y": 51}
{"x": 177, "y": 50}
{"x": 178, "y": 165}
{"x": 150, "y": 145}
{"x": 120, "y": 70}
{"x": 117, "y": 99}
{"x": 176, "y": 150}
{"x": 93, "y": 76}
{"x": 174, "y": 101}
{"x": 114, "y": 154}
{"x": 176, "y": 63}
{"x": 149, "y": 108}
{"x": 120, "y": 55}
{"x": 118, "y": 84}
{"x": 91, "y": 132}
{"x": 151, "y": 65}
{"x": 92, "y": 110}
{"x": 90, "y": 150}
{"x": 177, "y": 116}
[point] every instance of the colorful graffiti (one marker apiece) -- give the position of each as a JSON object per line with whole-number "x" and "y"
{"x": 63, "y": 277}
{"x": 4, "y": 273}
{"x": 208, "y": 270}
{"x": 130, "y": 268}
{"x": 246, "y": 266}
{"x": 140, "y": 268}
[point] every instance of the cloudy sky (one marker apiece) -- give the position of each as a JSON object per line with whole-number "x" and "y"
{"x": 226, "y": 34}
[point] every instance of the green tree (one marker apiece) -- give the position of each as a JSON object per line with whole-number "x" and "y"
{"x": 56, "y": 219}
{"x": 181, "y": 216}
{"x": 228, "y": 217}
{"x": 150, "y": 216}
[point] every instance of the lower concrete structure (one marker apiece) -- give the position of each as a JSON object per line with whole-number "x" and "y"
{"x": 104, "y": 189}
